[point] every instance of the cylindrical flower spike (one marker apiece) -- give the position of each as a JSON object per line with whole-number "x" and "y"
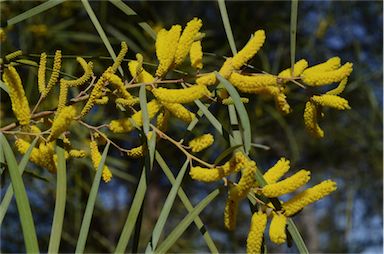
{"x": 96, "y": 158}
{"x": 166, "y": 46}
{"x": 120, "y": 57}
{"x": 186, "y": 39}
{"x": 196, "y": 55}
{"x": 277, "y": 228}
{"x": 200, "y": 143}
{"x": 179, "y": 111}
{"x": 339, "y": 89}
{"x": 256, "y": 232}
{"x": 287, "y": 185}
{"x": 77, "y": 153}
{"x": 310, "y": 120}
{"x": 22, "y": 146}
{"x": 184, "y": 95}
{"x": 229, "y": 101}
{"x": 41, "y": 72}
{"x": 141, "y": 76}
{"x": 62, "y": 122}
{"x": 277, "y": 171}
{"x": 329, "y": 77}
{"x": 47, "y": 153}
{"x": 227, "y": 68}
{"x": 19, "y": 101}
{"x": 282, "y": 103}
{"x": 246, "y": 181}
{"x": 298, "y": 69}
{"x": 13, "y": 55}
{"x": 251, "y": 84}
{"x": 63, "y": 94}
{"x": 87, "y": 67}
{"x": 249, "y": 50}
{"x": 127, "y": 102}
{"x": 333, "y": 101}
{"x": 230, "y": 213}
{"x": 207, "y": 79}
{"x": 119, "y": 84}
{"x": 330, "y": 65}
{"x": 55, "y": 73}
{"x": 308, "y": 196}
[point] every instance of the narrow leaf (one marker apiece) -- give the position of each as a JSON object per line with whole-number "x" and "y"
{"x": 294, "y": 5}
{"x": 225, "y": 153}
{"x": 227, "y": 26}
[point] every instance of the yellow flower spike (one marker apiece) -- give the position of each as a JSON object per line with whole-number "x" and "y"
{"x": 256, "y": 232}
{"x": 62, "y": 122}
{"x": 277, "y": 228}
{"x": 96, "y": 158}
{"x": 179, "y": 111}
{"x": 162, "y": 121}
{"x": 19, "y": 101}
{"x": 77, "y": 153}
{"x": 207, "y": 79}
{"x": 119, "y": 84}
{"x": 328, "y": 77}
{"x": 138, "y": 152}
{"x": 196, "y": 55}
{"x": 298, "y": 69}
{"x": 246, "y": 182}
{"x": 88, "y": 72}
{"x": 251, "y": 84}
{"x": 339, "y": 89}
{"x": 186, "y": 39}
{"x": 282, "y": 104}
{"x": 141, "y": 76}
{"x": 3, "y": 35}
{"x": 124, "y": 125}
{"x": 127, "y": 102}
{"x": 13, "y": 55}
{"x": 166, "y": 46}
{"x": 229, "y": 101}
{"x": 249, "y": 50}
{"x": 330, "y": 65}
{"x": 102, "y": 101}
{"x": 120, "y": 57}
{"x": 308, "y": 196}
{"x": 63, "y": 94}
{"x": 41, "y": 72}
{"x": 333, "y": 101}
{"x": 22, "y": 146}
{"x": 227, "y": 68}
{"x": 200, "y": 143}
{"x": 310, "y": 120}
{"x": 277, "y": 171}
{"x": 184, "y": 95}
{"x": 230, "y": 213}
{"x": 55, "y": 73}
{"x": 47, "y": 153}
{"x": 234, "y": 165}
{"x": 287, "y": 185}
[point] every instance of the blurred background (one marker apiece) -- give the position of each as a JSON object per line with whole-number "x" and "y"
{"x": 348, "y": 221}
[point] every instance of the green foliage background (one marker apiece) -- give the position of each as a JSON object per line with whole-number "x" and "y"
{"x": 350, "y": 153}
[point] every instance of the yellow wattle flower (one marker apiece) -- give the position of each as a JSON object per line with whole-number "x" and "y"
{"x": 63, "y": 94}
{"x": 88, "y": 72}
{"x": 183, "y": 95}
{"x": 186, "y": 39}
{"x": 330, "y": 65}
{"x": 166, "y": 46}
{"x": 282, "y": 104}
{"x": 246, "y": 181}
{"x": 41, "y": 72}
{"x": 102, "y": 101}
{"x": 196, "y": 55}
{"x": 230, "y": 213}
{"x": 308, "y": 196}
{"x": 124, "y": 125}
{"x": 119, "y": 85}
{"x": 277, "y": 228}
{"x": 339, "y": 89}
{"x": 256, "y": 232}
{"x": 251, "y": 84}
{"x": 277, "y": 171}
{"x": 227, "y": 68}
{"x": 96, "y": 158}
{"x": 249, "y": 50}
{"x": 327, "y": 77}
{"x": 162, "y": 121}
{"x": 20, "y": 105}
{"x": 234, "y": 165}
{"x": 62, "y": 122}
{"x": 230, "y": 101}
{"x": 200, "y": 143}
{"x": 47, "y": 153}
{"x": 55, "y": 73}
{"x": 333, "y": 101}
{"x": 22, "y": 146}
{"x": 141, "y": 76}
{"x": 287, "y": 185}
{"x": 13, "y": 55}
{"x": 127, "y": 102}
{"x": 179, "y": 111}
{"x": 120, "y": 57}
{"x": 77, "y": 153}
{"x": 207, "y": 79}
{"x": 298, "y": 69}
{"x": 310, "y": 120}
